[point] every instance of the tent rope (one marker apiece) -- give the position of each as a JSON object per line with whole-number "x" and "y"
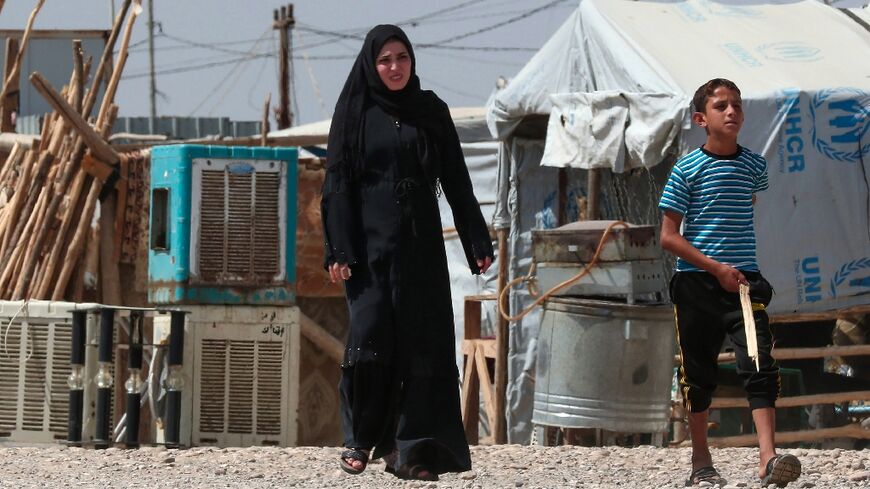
{"x": 530, "y": 278}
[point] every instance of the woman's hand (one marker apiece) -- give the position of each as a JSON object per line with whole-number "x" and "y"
{"x": 484, "y": 264}
{"x": 339, "y": 272}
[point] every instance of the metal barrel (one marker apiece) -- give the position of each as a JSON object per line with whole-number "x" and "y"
{"x": 605, "y": 365}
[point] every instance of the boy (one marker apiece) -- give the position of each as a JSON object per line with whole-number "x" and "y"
{"x": 711, "y": 191}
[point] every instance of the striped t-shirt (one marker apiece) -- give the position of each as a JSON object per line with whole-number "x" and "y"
{"x": 714, "y": 195}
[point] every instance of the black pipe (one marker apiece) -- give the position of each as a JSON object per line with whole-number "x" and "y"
{"x": 173, "y": 396}
{"x": 74, "y": 425}
{"x": 104, "y": 394}
{"x": 79, "y": 322}
{"x": 107, "y": 323}
{"x": 134, "y": 364}
{"x": 104, "y": 400}
{"x": 176, "y": 338}
{"x": 173, "y": 419}
{"x": 132, "y": 419}
{"x": 76, "y": 393}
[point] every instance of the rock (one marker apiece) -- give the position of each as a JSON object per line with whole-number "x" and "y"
{"x": 705, "y": 484}
{"x": 168, "y": 460}
{"x": 467, "y": 476}
{"x": 256, "y": 476}
{"x": 859, "y": 476}
{"x": 807, "y": 484}
{"x": 519, "y": 484}
{"x": 220, "y": 471}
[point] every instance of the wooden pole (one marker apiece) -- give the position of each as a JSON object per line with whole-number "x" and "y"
{"x": 9, "y": 82}
{"x": 18, "y": 201}
{"x": 593, "y": 191}
{"x": 264, "y": 130}
{"x": 283, "y": 22}
{"x": 110, "y": 279}
{"x": 105, "y": 60}
{"x": 80, "y": 236}
{"x": 79, "y": 75}
{"x": 502, "y": 334}
{"x": 96, "y": 144}
{"x": 804, "y": 353}
{"x": 112, "y": 87}
{"x": 784, "y": 437}
{"x": 10, "y": 105}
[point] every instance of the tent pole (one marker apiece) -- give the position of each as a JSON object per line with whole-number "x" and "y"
{"x": 499, "y": 424}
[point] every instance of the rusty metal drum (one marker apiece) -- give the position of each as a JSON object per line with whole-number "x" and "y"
{"x": 604, "y": 364}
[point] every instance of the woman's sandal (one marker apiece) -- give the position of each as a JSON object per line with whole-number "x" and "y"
{"x": 705, "y": 474}
{"x": 781, "y": 469}
{"x": 354, "y": 454}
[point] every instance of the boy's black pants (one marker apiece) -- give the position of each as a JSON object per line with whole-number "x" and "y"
{"x": 705, "y": 314}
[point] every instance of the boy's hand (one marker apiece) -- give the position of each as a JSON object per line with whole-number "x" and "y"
{"x": 730, "y": 278}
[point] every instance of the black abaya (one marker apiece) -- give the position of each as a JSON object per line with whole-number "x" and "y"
{"x": 399, "y": 388}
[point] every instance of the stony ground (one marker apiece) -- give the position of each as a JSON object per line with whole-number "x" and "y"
{"x": 510, "y": 466}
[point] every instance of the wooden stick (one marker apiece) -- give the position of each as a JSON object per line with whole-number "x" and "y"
{"x": 832, "y": 398}
{"x": 78, "y": 74}
{"x": 112, "y": 87}
{"x": 23, "y": 213}
{"x": 80, "y": 235}
{"x": 264, "y": 130}
{"x": 853, "y": 430}
{"x": 749, "y": 325}
{"x": 8, "y": 106}
{"x": 16, "y": 69}
{"x": 8, "y": 140}
{"x": 105, "y": 60}
{"x": 60, "y": 241}
{"x": 18, "y": 201}
{"x": 98, "y": 146}
{"x": 10, "y": 162}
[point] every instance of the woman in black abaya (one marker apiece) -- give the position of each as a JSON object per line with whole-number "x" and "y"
{"x": 392, "y": 150}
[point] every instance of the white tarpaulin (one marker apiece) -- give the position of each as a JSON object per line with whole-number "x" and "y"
{"x": 620, "y": 101}
{"x": 615, "y": 82}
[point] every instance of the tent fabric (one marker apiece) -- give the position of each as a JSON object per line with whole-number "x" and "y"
{"x": 615, "y": 82}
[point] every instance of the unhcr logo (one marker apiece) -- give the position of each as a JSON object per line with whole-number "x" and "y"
{"x": 790, "y": 52}
{"x": 840, "y": 120}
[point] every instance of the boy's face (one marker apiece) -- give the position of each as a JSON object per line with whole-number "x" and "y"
{"x": 724, "y": 114}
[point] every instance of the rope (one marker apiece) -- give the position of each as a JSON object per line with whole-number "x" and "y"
{"x": 531, "y": 277}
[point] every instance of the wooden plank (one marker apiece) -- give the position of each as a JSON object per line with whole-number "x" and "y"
{"x": 804, "y": 317}
{"x": 792, "y": 401}
{"x": 470, "y": 395}
{"x": 321, "y": 338}
{"x": 802, "y": 353}
{"x": 487, "y": 388}
{"x": 472, "y": 319}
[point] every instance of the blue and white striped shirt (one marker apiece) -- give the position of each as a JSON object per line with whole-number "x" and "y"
{"x": 714, "y": 195}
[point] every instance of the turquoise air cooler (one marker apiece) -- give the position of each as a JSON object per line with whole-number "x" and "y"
{"x": 222, "y": 225}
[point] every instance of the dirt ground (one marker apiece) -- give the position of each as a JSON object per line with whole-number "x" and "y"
{"x": 508, "y": 466}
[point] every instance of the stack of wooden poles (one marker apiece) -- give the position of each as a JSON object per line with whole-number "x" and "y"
{"x": 49, "y": 191}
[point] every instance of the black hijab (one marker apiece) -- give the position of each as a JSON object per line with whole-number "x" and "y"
{"x": 421, "y": 108}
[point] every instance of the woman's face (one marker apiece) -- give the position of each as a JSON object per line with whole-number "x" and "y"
{"x": 394, "y": 65}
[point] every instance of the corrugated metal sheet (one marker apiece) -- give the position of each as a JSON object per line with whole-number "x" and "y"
{"x": 176, "y": 128}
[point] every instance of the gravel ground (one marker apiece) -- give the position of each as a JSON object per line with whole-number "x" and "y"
{"x": 510, "y": 466}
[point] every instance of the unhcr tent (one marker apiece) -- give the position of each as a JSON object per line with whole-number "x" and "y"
{"x": 611, "y": 90}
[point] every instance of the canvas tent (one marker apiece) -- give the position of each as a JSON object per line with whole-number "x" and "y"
{"x": 611, "y": 90}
